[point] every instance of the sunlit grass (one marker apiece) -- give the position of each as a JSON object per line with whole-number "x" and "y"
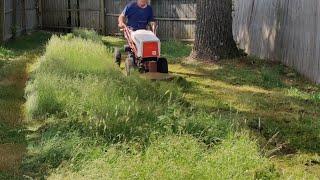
{"x": 265, "y": 97}
{"x": 178, "y": 157}
{"x": 90, "y": 121}
{"x": 86, "y": 101}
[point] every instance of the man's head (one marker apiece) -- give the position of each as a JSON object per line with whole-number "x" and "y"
{"x": 142, "y": 2}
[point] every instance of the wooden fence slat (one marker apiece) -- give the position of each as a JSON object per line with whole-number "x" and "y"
{"x": 16, "y": 15}
{"x": 286, "y": 31}
{"x": 14, "y": 19}
{"x": 2, "y": 13}
{"x": 102, "y": 17}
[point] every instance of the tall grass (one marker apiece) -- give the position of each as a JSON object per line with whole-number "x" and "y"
{"x": 179, "y": 157}
{"x": 147, "y": 129}
{"x": 87, "y": 34}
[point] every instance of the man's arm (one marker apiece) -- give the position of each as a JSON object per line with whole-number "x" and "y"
{"x": 153, "y": 25}
{"x": 152, "y": 22}
{"x": 121, "y": 21}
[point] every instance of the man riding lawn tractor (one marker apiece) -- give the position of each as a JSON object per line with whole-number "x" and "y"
{"x": 143, "y": 46}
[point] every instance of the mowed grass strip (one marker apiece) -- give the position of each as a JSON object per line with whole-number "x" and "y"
{"x": 14, "y": 59}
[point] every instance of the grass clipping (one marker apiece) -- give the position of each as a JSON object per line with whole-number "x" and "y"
{"x": 101, "y": 124}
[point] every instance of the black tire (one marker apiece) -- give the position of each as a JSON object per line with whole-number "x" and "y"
{"x": 127, "y": 48}
{"x": 117, "y": 56}
{"x": 129, "y": 66}
{"x": 163, "y": 65}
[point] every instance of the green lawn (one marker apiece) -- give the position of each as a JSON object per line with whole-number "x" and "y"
{"x": 233, "y": 119}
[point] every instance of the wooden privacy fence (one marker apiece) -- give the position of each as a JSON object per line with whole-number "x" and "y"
{"x": 16, "y": 17}
{"x": 281, "y": 30}
{"x": 67, "y": 14}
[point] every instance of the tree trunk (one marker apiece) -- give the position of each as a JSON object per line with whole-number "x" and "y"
{"x": 214, "y": 38}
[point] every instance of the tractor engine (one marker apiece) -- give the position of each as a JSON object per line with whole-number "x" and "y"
{"x": 147, "y": 43}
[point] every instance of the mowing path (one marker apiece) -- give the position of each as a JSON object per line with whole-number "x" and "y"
{"x": 14, "y": 59}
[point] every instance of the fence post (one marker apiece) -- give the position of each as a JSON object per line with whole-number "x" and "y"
{"x": 14, "y": 20}
{"x": 24, "y": 17}
{"x": 39, "y": 13}
{"x": 2, "y": 13}
{"x": 102, "y": 17}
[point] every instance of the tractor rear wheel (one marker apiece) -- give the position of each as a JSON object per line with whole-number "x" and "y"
{"x": 163, "y": 65}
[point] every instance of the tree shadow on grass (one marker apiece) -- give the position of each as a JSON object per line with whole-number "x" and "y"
{"x": 27, "y": 43}
{"x": 245, "y": 71}
{"x": 261, "y": 102}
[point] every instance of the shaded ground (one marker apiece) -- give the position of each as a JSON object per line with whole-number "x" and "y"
{"x": 280, "y": 107}
{"x": 14, "y": 59}
{"x": 273, "y": 101}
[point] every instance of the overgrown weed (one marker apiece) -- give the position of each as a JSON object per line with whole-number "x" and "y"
{"x": 86, "y": 101}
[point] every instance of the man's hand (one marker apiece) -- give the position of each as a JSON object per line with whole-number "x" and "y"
{"x": 121, "y": 20}
{"x": 122, "y": 25}
{"x": 153, "y": 27}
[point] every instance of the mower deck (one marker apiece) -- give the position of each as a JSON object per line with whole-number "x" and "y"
{"x": 157, "y": 76}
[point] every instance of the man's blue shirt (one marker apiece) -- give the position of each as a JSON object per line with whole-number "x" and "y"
{"x": 138, "y": 18}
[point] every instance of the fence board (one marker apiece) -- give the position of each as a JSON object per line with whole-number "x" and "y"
{"x": 67, "y": 14}
{"x": 19, "y": 16}
{"x": 55, "y": 14}
{"x": 8, "y": 18}
{"x": 31, "y": 15}
{"x": 90, "y": 14}
{"x": 2, "y": 9}
{"x": 286, "y": 31}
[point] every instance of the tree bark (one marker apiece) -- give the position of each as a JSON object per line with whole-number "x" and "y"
{"x": 214, "y": 38}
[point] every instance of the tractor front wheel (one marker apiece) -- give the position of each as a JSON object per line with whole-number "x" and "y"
{"x": 117, "y": 56}
{"x": 129, "y": 66}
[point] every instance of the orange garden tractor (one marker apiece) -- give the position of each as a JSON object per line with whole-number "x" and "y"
{"x": 143, "y": 49}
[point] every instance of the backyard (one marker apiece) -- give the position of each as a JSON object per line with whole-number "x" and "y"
{"x": 68, "y": 112}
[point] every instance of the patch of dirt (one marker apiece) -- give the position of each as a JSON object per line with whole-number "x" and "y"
{"x": 6, "y": 82}
{"x": 11, "y": 157}
{"x": 11, "y": 154}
